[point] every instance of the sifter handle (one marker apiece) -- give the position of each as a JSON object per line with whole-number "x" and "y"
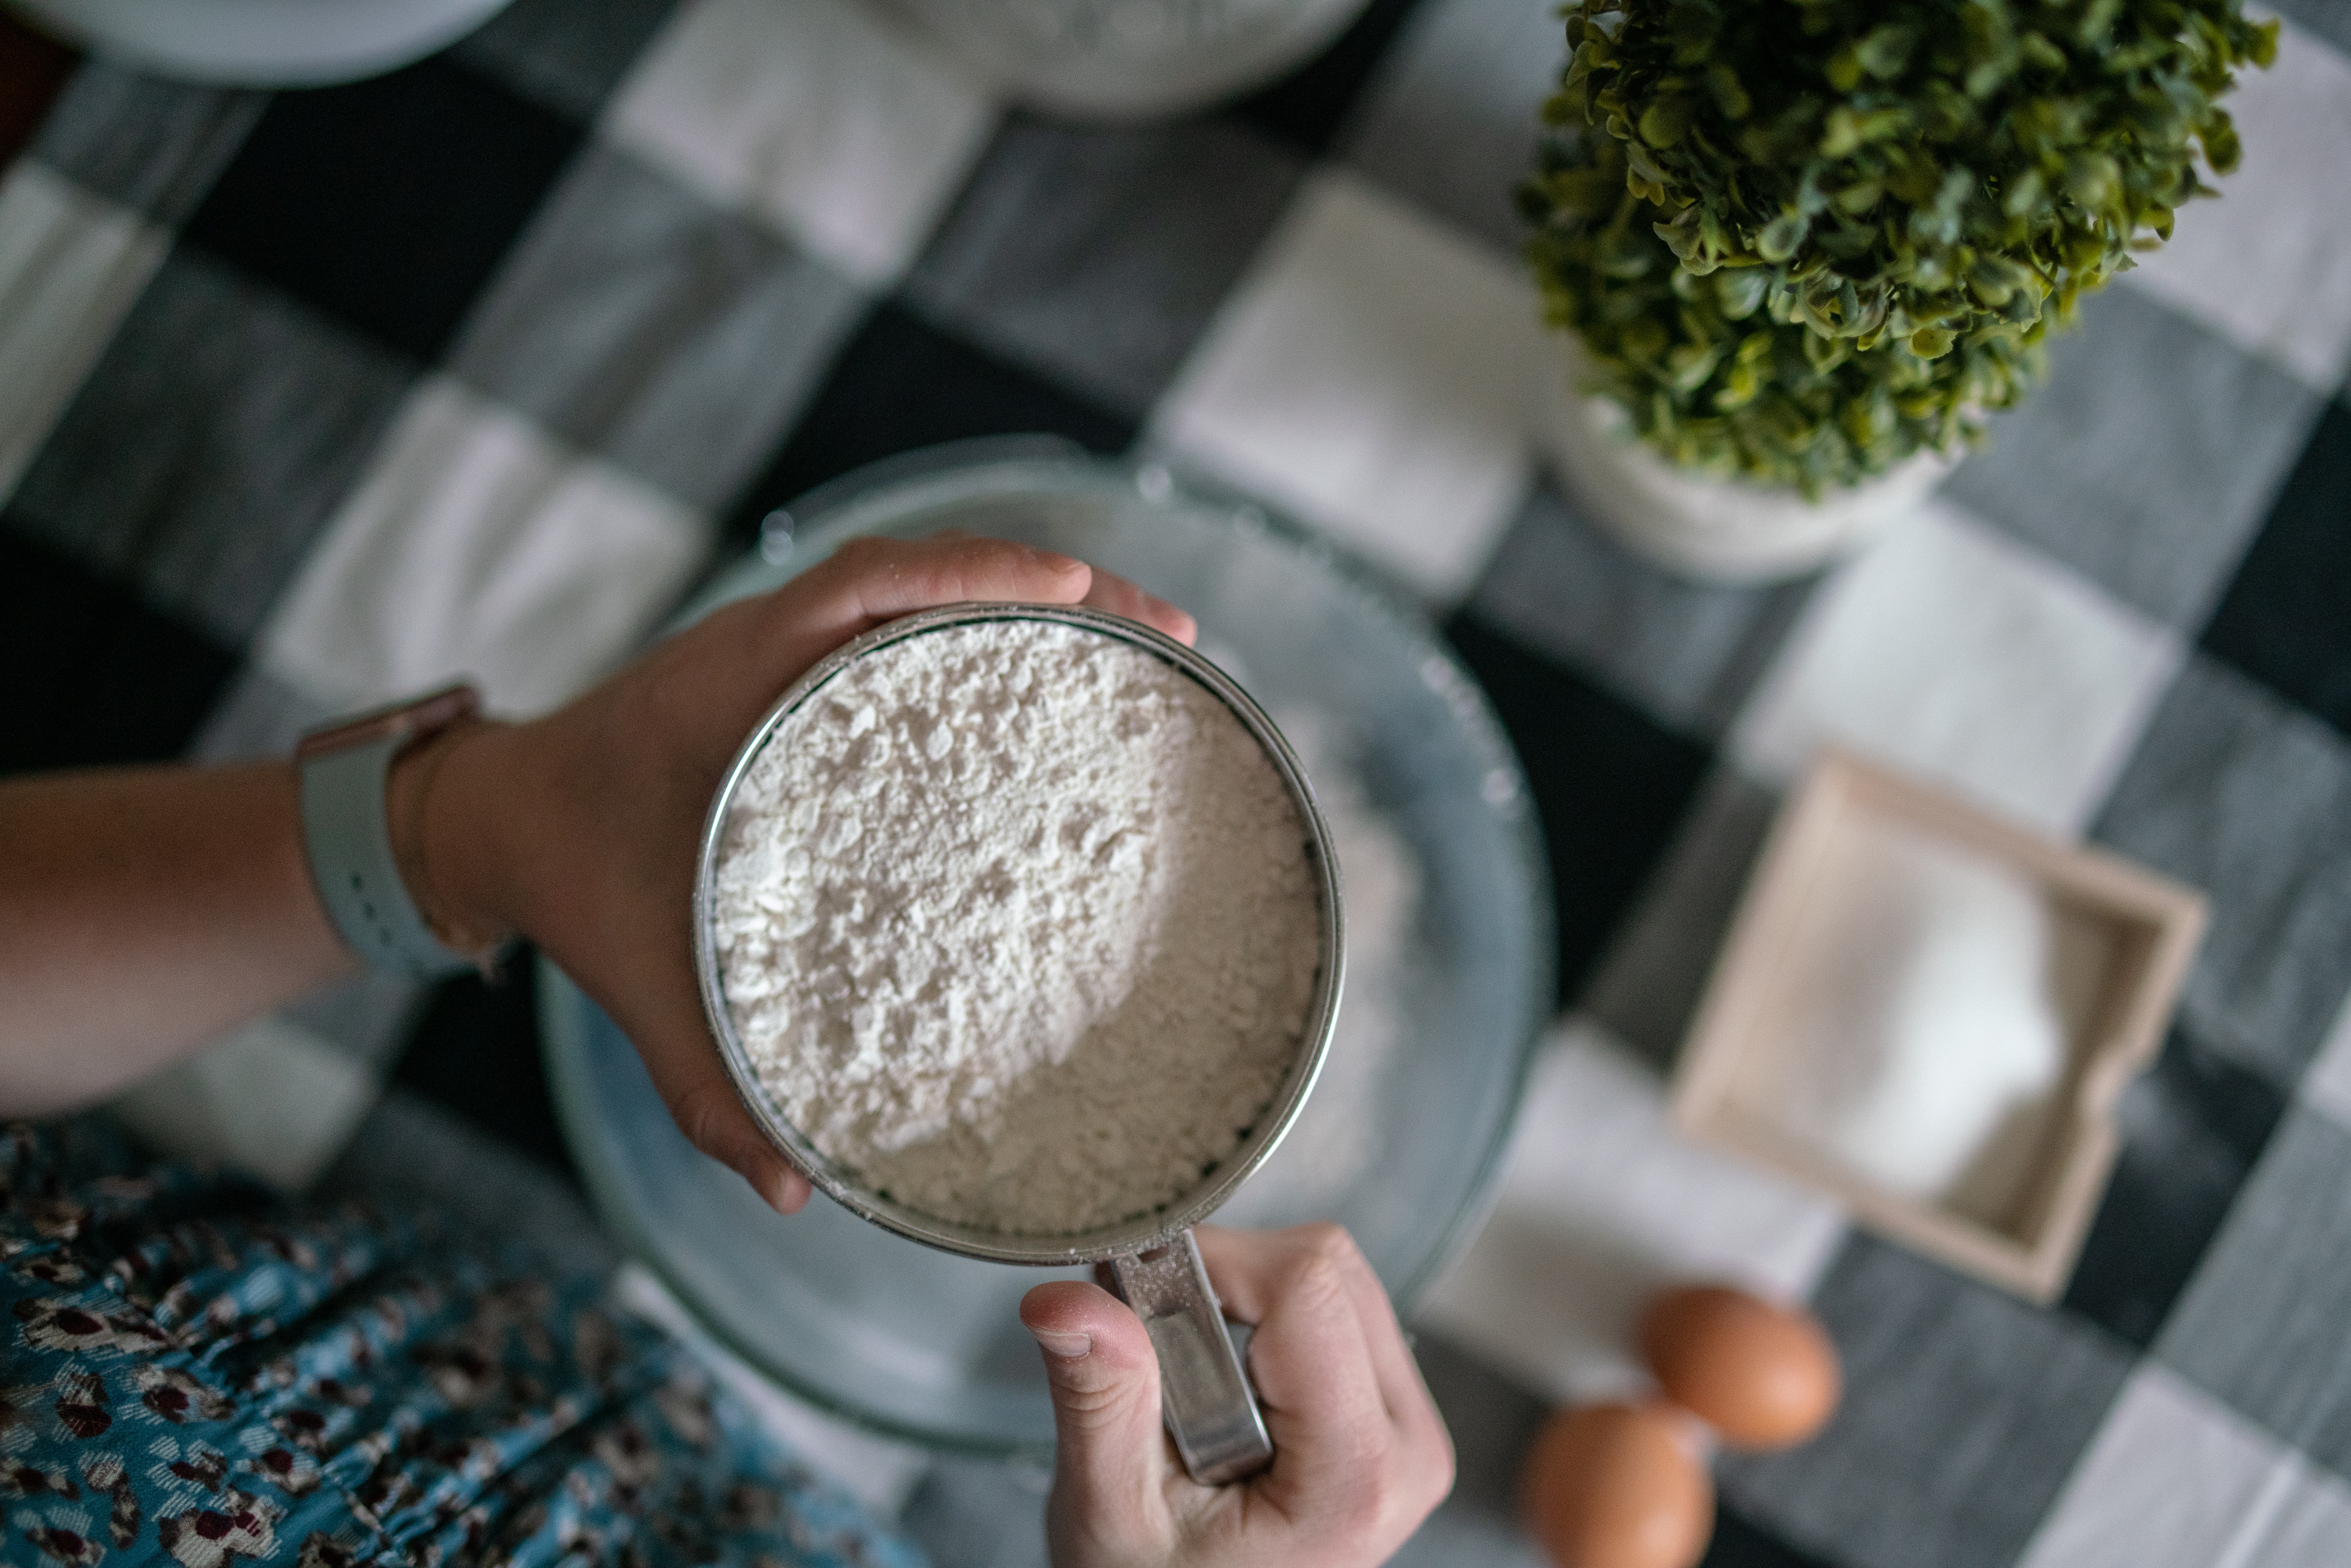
{"x": 1211, "y": 1413}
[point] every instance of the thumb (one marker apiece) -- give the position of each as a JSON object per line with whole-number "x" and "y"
{"x": 1110, "y": 1458}
{"x": 702, "y": 1100}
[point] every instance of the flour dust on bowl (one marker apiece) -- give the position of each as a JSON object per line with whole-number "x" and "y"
{"x": 1434, "y": 835}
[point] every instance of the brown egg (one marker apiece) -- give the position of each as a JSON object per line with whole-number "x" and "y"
{"x": 1762, "y": 1376}
{"x": 1617, "y": 1486}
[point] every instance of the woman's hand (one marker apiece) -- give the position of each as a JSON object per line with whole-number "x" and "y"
{"x": 580, "y": 830}
{"x": 1360, "y": 1454}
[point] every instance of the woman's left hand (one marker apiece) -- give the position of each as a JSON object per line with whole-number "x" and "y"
{"x": 580, "y": 830}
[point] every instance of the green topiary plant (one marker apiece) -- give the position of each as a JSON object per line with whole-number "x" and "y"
{"x": 1801, "y": 240}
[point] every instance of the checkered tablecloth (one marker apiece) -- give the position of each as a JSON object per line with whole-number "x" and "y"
{"x": 314, "y": 399}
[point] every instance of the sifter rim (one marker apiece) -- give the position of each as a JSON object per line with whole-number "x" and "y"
{"x": 1124, "y": 1237}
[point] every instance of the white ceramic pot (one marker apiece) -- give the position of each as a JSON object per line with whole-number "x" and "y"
{"x": 1129, "y": 59}
{"x": 1721, "y": 529}
{"x": 261, "y": 43}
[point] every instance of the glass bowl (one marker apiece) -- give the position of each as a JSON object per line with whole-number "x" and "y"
{"x": 1399, "y": 1144}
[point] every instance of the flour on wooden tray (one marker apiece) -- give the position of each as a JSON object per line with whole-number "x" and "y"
{"x": 1017, "y": 925}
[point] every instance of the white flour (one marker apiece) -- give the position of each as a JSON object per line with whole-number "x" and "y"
{"x": 1017, "y": 925}
{"x": 1924, "y": 1039}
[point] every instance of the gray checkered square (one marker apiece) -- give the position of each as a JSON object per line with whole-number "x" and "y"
{"x": 1492, "y": 1421}
{"x": 1688, "y": 651}
{"x": 2330, "y": 19}
{"x": 637, "y": 320}
{"x": 2262, "y": 1322}
{"x": 1647, "y": 986}
{"x": 1459, "y": 1536}
{"x": 1452, "y": 119}
{"x": 410, "y": 1150}
{"x": 562, "y": 55}
{"x": 253, "y": 417}
{"x": 1098, "y": 255}
{"x": 155, "y": 146}
{"x": 258, "y": 716}
{"x": 367, "y": 1016}
{"x": 977, "y": 1513}
{"x": 2148, "y": 459}
{"x": 2242, "y": 795}
{"x": 1964, "y": 1409}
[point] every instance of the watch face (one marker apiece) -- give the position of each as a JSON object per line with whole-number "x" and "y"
{"x": 412, "y": 719}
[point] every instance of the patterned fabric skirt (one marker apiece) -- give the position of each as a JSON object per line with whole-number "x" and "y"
{"x": 196, "y": 1369}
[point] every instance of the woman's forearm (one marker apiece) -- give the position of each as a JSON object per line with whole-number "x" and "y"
{"x": 142, "y": 913}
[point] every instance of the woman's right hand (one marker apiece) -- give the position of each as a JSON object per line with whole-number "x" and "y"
{"x": 1360, "y": 1454}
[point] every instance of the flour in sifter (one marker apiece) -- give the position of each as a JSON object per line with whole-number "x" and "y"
{"x": 1017, "y": 925}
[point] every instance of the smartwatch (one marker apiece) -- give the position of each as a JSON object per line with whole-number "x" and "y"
{"x": 348, "y": 837}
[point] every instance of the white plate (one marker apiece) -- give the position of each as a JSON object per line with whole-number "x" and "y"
{"x": 261, "y": 43}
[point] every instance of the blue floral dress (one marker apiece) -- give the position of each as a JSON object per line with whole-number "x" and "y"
{"x": 194, "y": 1369}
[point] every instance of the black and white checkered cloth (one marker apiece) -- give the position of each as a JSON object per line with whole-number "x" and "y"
{"x": 314, "y": 399}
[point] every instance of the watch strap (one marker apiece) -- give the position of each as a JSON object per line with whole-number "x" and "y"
{"x": 348, "y": 836}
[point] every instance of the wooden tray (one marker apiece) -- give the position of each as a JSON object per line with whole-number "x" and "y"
{"x": 2131, "y": 933}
